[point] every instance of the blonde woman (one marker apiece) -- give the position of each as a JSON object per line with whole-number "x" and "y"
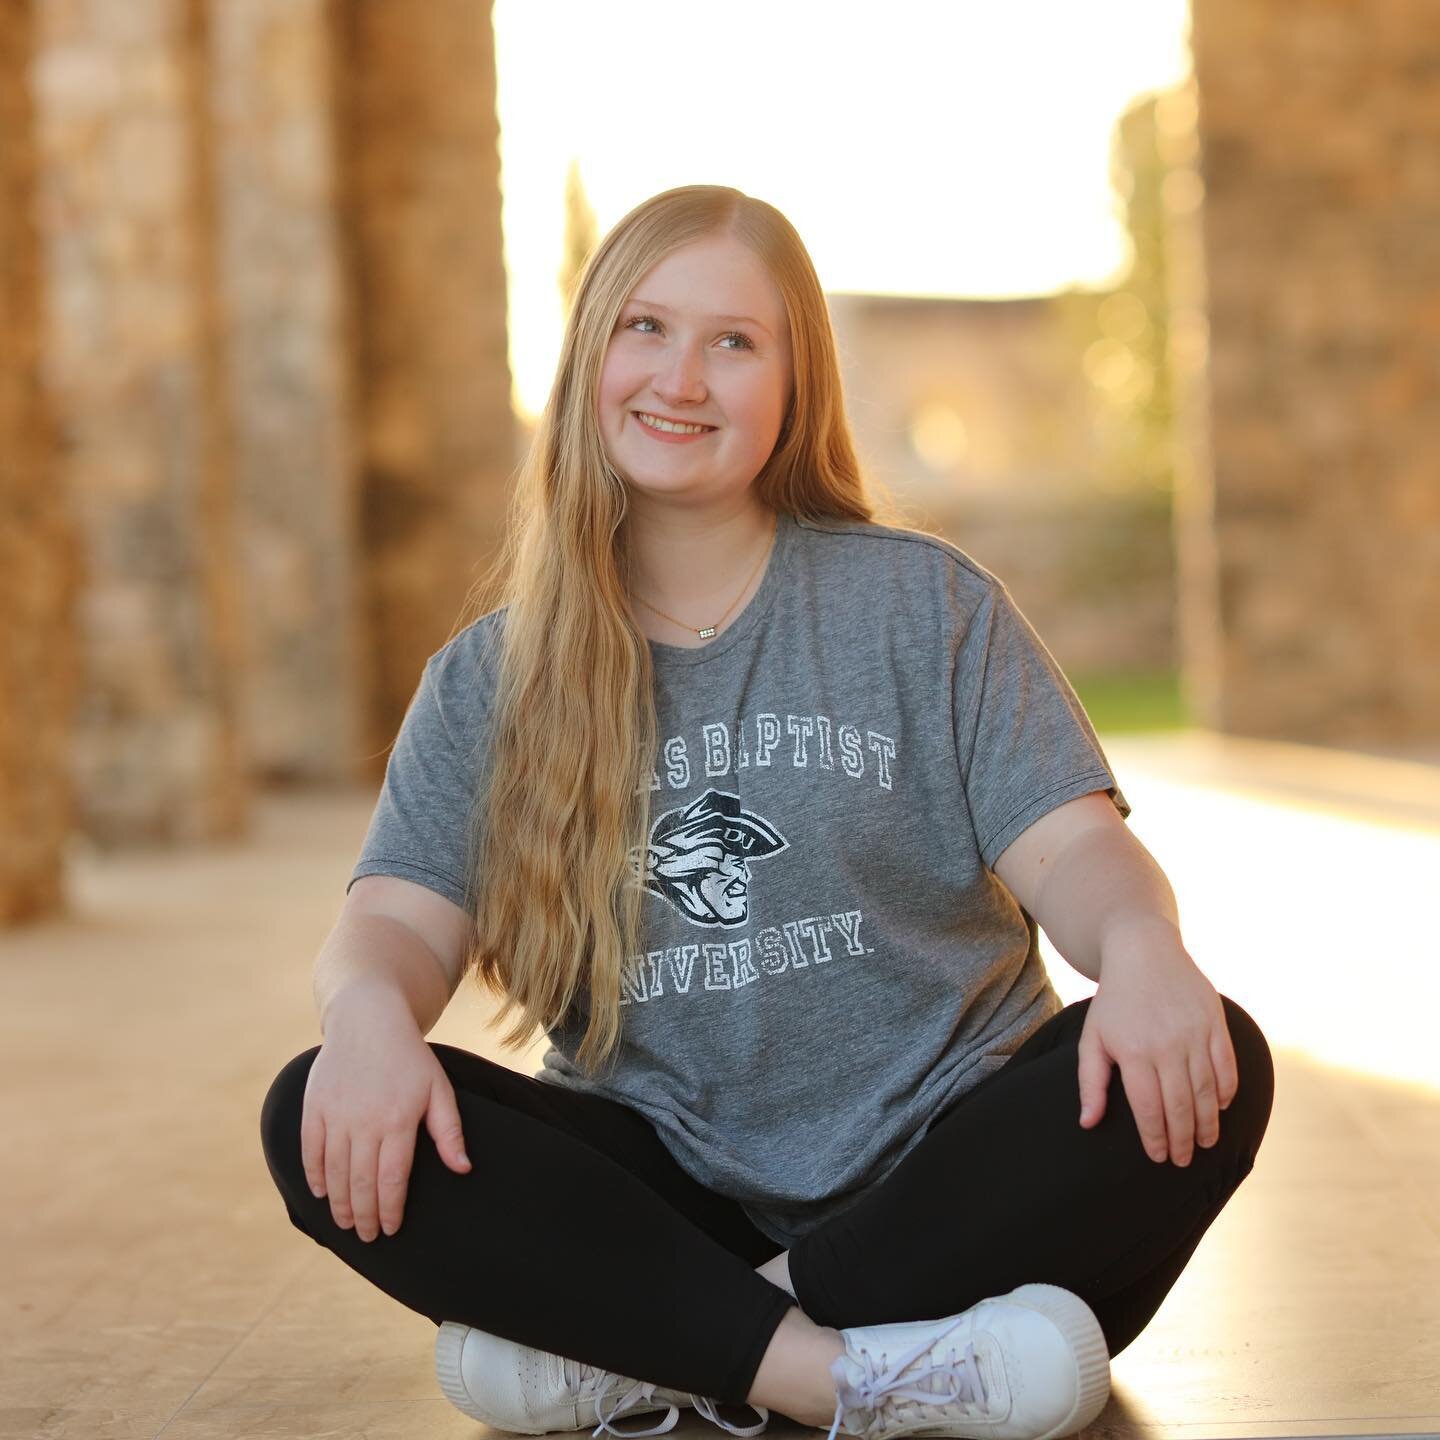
{"x": 752, "y": 797}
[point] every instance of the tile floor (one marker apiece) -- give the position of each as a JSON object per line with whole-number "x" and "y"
{"x": 153, "y": 1285}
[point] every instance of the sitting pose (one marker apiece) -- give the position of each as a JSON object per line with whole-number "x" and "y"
{"x": 753, "y": 798}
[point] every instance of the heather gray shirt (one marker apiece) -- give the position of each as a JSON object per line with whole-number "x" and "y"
{"x": 829, "y": 960}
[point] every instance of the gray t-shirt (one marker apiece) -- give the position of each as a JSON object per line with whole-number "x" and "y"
{"x": 828, "y": 959}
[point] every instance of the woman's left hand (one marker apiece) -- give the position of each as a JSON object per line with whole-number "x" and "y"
{"x": 1156, "y": 1015}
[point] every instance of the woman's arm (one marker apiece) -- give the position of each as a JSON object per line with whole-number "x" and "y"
{"x": 1108, "y": 908}
{"x": 396, "y": 947}
{"x": 374, "y": 963}
{"x": 1085, "y": 877}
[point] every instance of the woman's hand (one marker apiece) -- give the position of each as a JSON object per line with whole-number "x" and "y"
{"x": 1157, "y": 1016}
{"x": 372, "y": 1082}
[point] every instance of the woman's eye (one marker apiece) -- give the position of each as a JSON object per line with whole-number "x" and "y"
{"x": 745, "y": 342}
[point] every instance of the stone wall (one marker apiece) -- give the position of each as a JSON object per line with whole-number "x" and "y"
{"x": 309, "y": 664}
{"x": 134, "y": 356}
{"x": 276, "y": 338}
{"x": 39, "y": 554}
{"x": 435, "y": 426}
{"x": 250, "y": 259}
{"x": 1318, "y": 261}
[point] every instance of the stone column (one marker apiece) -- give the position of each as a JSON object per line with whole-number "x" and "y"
{"x": 435, "y": 426}
{"x": 134, "y": 357}
{"x": 39, "y": 557}
{"x": 282, "y": 281}
{"x": 1319, "y": 131}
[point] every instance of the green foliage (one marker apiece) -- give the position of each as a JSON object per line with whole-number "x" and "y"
{"x": 1128, "y": 700}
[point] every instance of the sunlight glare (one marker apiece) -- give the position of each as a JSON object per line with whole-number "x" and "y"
{"x": 952, "y": 150}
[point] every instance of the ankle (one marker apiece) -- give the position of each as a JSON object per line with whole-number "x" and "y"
{"x": 824, "y": 1399}
{"x": 794, "y": 1374}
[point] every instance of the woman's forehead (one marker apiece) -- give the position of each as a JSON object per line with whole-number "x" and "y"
{"x": 711, "y": 281}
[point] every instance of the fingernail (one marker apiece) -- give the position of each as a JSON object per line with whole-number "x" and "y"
{"x": 464, "y": 1158}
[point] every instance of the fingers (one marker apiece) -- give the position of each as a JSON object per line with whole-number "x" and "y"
{"x": 442, "y": 1119}
{"x": 1179, "y": 1112}
{"x": 366, "y": 1182}
{"x": 1207, "y": 1099}
{"x": 364, "y": 1163}
{"x": 397, "y": 1154}
{"x": 1094, "y": 1082}
{"x": 1176, "y": 1107}
{"x": 350, "y": 1182}
{"x": 337, "y": 1177}
{"x": 1142, "y": 1090}
{"x": 312, "y": 1150}
{"x": 1222, "y": 1057}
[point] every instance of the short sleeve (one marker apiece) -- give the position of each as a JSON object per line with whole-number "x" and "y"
{"x": 1023, "y": 739}
{"x": 419, "y": 829}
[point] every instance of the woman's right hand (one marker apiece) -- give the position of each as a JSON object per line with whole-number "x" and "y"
{"x": 373, "y": 1080}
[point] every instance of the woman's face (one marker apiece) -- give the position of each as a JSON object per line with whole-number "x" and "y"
{"x": 702, "y": 339}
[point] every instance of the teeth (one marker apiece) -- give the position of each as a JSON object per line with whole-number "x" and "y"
{"x": 655, "y": 423}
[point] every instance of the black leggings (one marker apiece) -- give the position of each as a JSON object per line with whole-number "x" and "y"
{"x": 577, "y": 1233}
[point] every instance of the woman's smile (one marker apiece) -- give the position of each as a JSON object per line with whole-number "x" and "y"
{"x": 670, "y": 437}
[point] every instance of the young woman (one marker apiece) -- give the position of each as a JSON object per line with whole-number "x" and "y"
{"x": 753, "y": 798}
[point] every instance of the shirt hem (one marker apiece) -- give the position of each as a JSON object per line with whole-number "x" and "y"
{"x": 444, "y": 885}
{"x": 1022, "y": 819}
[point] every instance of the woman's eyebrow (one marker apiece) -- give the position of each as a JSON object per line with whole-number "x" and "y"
{"x": 742, "y": 319}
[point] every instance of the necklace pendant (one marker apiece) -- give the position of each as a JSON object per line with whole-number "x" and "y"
{"x": 706, "y": 634}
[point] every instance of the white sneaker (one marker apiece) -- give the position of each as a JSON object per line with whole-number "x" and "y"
{"x": 1030, "y": 1365}
{"x": 516, "y": 1387}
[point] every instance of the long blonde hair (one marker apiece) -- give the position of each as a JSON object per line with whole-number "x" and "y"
{"x": 564, "y": 800}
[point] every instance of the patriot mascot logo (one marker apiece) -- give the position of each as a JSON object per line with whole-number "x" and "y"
{"x": 698, "y": 859}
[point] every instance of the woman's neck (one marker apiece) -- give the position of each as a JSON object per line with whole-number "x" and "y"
{"x": 696, "y": 568}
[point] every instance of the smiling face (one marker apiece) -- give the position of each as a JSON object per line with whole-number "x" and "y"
{"x": 701, "y": 340}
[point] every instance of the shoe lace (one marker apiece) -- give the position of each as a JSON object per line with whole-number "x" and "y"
{"x": 882, "y": 1393}
{"x": 594, "y": 1382}
{"x": 711, "y": 1411}
{"x": 587, "y": 1380}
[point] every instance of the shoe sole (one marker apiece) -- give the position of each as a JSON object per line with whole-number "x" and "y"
{"x": 1077, "y": 1322}
{"x": 450, "y": 1345}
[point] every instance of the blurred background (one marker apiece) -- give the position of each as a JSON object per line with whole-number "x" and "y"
{"x": 282, "y": 284}
{"x": 1138, "y": 303}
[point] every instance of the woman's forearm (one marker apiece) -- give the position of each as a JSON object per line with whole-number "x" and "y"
{"x": 1104, "y": 880}
{"x": 374, "y": 965}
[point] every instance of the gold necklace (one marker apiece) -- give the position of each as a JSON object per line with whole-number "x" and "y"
{"x": 709, "y": 630}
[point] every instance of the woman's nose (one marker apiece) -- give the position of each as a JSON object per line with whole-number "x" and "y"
{"x": 683, "y": 379}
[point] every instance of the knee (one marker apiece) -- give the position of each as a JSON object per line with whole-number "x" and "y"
{"x": 1255, "y": 1095}
{"x": 280, "y": 1115}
